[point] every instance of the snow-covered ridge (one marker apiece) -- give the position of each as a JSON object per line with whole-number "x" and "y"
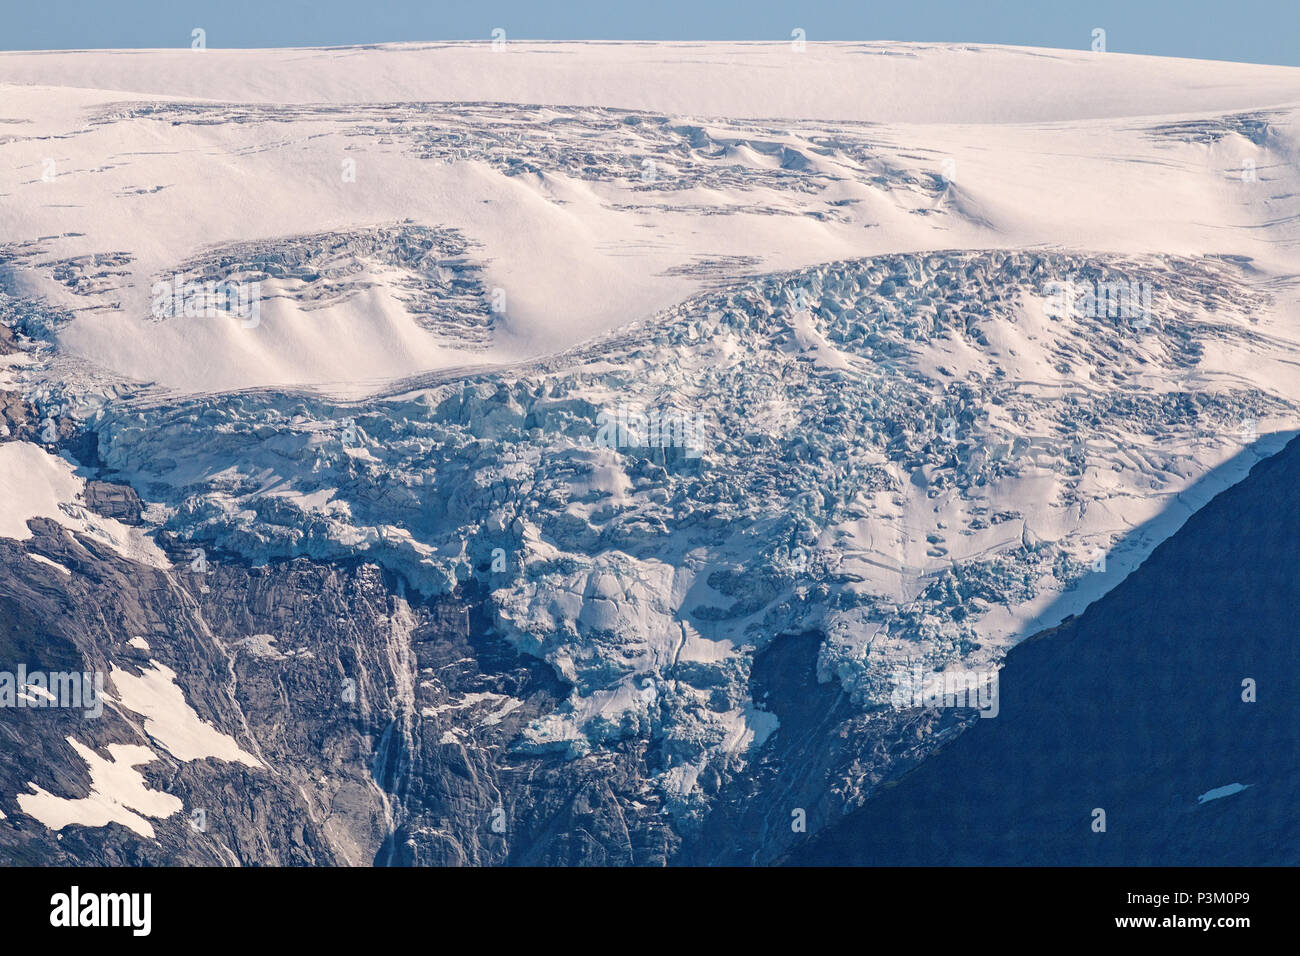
{"x": 876, "y": 82}
{"x": 565, "y": 207}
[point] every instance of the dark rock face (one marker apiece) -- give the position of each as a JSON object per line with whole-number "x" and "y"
{"x": 378, "y": 725}
{"x": 352, "y": 700}
{"x": 468, "y": 799}
{"x": 82, "y": 621}
{"x": 17, "y": 417}
{"x": 1139, "y": 708}
{"x": 385, "y": 726}
{"x": 114, "y": 500}
{"x": 356, "y": 704}
{"x": 826, "y": 755}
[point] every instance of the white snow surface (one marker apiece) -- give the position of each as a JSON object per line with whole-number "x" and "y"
{"x": 37, "y": 484}
{"x": 169, "y": 718}
{"x": 49, "y": 562}
{"x": 762, "y": 159}
{"x": 840, "y": 258}
{"x": 1218, "y": 793}
{"x": 118, "y": 793}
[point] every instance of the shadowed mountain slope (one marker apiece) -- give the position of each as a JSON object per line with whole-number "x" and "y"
{"x": 1135, "y": 708}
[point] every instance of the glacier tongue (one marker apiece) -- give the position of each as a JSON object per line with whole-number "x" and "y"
{"x": 917, "y": 455}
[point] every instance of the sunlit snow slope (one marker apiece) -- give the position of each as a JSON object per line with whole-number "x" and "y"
{"x": 576, "y": 188}
{"x": 842, "y": 264}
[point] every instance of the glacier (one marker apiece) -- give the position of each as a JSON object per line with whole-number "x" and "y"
{"x": 638, "y": 385}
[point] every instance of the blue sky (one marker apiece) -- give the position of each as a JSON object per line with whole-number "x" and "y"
{"x": 1260, "y": 31}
